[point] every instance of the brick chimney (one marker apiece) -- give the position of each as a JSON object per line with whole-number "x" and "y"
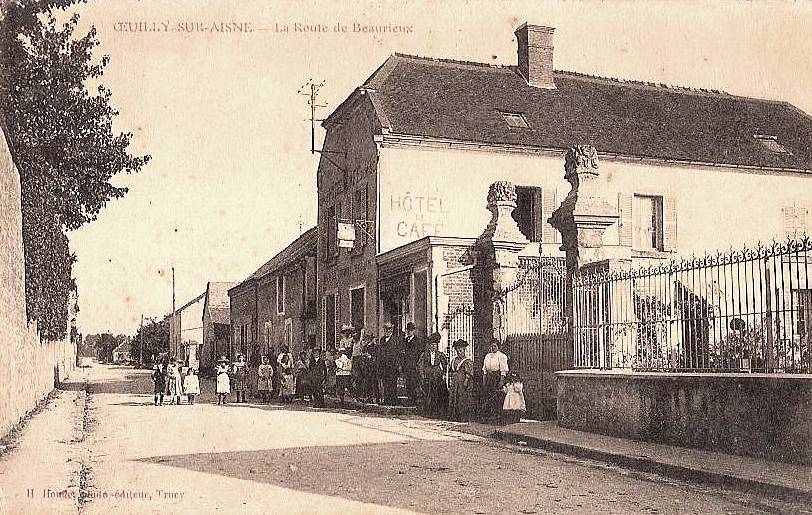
{"x": 535, "y": 52}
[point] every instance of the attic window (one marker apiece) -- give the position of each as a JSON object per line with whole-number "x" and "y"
{"x": 515, "y": 120}
{"x": 771, "y": 144}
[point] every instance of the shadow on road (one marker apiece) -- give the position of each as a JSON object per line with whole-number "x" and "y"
{"x": 414, "y": 475}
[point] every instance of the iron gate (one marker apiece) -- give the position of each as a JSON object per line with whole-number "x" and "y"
{"x": 535, "y": 330}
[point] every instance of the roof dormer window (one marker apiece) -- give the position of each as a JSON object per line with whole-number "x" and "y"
{"x": 515, "y": 120}
{"x": 771, "y": 144}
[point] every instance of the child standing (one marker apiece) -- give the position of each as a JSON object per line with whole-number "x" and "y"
{"x": 223, "y": 381}
{"x": 288, "y": 383}
{"x": 159, "y": 382}
{"x": 265, "y": 379}
{"x": 343, "y": 373}
{"x": 191, "y": 385}
{"x": 514, "y": 407}
{"x": 240, "y": 369}
{"x": 300, "y": 371}
{"x": 175, "y": 382}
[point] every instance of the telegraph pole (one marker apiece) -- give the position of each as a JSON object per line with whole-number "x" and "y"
{"x": 173, "y": 328}
{"x": 141, "y": 342}
{"x": 311, "y": 90}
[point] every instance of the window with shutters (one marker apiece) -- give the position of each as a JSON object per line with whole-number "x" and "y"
{"x": 647, "y": 224}
{"x": 523, "y": 214}
{"x": 527, "y": 212}
{"x": 360, "y": 212}
{"x": 280, "y": 294}
{"x": 288, "y": 336}
{"x": 331, "y": 247}
{"x": 795, "y": 221}
{"x": 534, "y": 206}
{"x": 329, "y": 318}
{"x": 268, "y": 333}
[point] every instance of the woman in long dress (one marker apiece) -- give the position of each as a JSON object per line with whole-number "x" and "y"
{"x": 288, "y": 383}
{"x": 460, "y": 396}
{"x": 240, "y": 369}
{"x": 265, "y": 379}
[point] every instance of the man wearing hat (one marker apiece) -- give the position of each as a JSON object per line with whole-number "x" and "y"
{"x": 413, "y": 346}
{"x": 432, "y": 366}
{"x": 389, "y": 363}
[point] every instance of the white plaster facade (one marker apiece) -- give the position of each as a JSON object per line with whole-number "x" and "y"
{"x": 432, "y": 191}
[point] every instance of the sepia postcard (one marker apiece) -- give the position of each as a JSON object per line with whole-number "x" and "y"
{"x": 405, "y": 257}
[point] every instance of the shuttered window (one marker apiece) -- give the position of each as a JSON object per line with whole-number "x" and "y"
{"x": 360, "y": 215}
{"x": 534, "y": 206}
{"x": 795, "y": 221}
{"x": 647, "y": 222}
{"x": 549, "y": 203}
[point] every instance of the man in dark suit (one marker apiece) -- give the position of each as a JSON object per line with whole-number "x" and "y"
{"x": 318, "y": 373}
{"x": 413, "y": 346}
{"x": 390, "y": 362}
{"x": 433, "y": 365}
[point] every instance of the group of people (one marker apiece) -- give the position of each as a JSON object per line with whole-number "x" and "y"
{"x": 275, "y": 377}
{"x": 368, "y": 369}
{"x": 168, "y": 379}
{"x": 501, "y": 394}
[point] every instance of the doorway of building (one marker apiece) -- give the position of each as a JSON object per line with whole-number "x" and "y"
{"x": 329, "y": 320}
{"x": 421, "y": 302}
{"x": 357, "y": 303}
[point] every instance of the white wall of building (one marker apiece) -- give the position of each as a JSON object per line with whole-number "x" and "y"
{"x": 442, "y": 192}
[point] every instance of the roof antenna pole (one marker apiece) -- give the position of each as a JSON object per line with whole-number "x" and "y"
{"x": 311, "y": 90}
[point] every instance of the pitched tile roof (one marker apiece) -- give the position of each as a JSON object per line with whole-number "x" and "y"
{"x": 301, "y": 246}
{"x": 462, "y": 101}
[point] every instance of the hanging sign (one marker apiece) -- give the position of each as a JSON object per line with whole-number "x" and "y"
{"x": 346, "y": 235}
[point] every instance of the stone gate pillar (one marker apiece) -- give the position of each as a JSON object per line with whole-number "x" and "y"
{"x": 499, "y": 247}
{"x": 584, "y": 214}
{"x": 581, "y": 219}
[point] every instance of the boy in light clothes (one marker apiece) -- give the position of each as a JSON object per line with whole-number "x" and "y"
{"x": 343, "y": 373}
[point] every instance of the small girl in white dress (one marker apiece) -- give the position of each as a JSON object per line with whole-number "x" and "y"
{"x": 223, "y": 381}
{"x": 191, "y": 385}
{"x": 514, "y": 406}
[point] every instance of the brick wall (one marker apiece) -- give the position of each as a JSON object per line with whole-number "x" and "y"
{"x": 28, "y": 368}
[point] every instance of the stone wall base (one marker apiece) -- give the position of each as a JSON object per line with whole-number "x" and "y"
{"x": 30, "y": 370}
{"x": 759, "y": 415}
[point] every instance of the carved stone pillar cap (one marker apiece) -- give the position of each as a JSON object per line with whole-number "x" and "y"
{"x": 502, "y": 191}
{"x": 580, "y": 160}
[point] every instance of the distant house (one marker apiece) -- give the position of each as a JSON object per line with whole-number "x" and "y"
{"x": 121, "y": 354}
{"x": 276, "y": 305}
{"x": 186, "y": 331}
{"x": 216, "y": 323}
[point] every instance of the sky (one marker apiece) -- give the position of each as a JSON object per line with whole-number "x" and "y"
{"x": 232, "y": 179}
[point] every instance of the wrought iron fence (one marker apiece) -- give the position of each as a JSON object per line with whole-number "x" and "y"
{"x": 743, "y": 310}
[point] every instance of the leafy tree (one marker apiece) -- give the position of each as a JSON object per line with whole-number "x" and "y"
{"x": 154, "y": 336}
{"x": 62, "y": 139}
